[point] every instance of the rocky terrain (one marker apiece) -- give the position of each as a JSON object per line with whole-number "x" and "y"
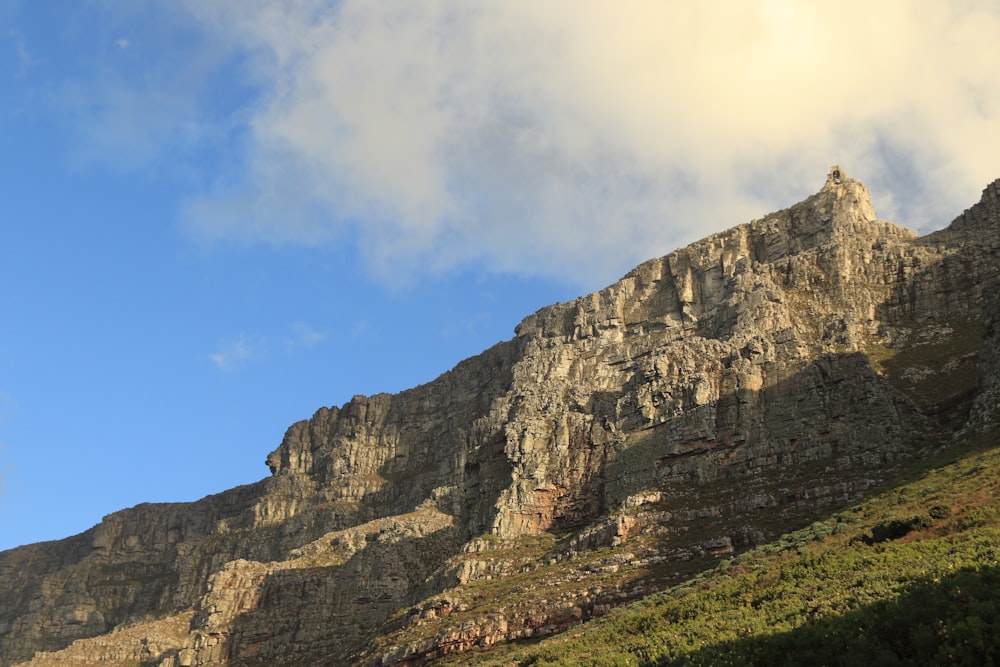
{"x": 707, "y": 402}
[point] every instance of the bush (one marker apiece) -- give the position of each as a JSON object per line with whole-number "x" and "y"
{"x": 895, "y": 529}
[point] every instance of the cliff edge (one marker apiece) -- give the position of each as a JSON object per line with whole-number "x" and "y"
{"x": 709, "y": 400}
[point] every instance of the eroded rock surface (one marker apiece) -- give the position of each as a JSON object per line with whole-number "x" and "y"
{"x": 710, "y": 400}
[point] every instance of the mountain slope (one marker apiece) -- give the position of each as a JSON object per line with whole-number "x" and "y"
{"x": 708, "y": 402}
{"x": 908, "y": 577}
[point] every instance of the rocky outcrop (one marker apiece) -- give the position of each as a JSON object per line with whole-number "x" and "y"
{"x": 709, "y": 400}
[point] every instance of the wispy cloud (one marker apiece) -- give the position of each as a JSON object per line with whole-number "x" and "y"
{"x": 138, "y": 89}
{"x": 301, "y": 335}
{"x": 236, "y": 353}
{"x": 241, "y": 351}
{"x": 26, "y": 61}
{"x": 360, "y": 326}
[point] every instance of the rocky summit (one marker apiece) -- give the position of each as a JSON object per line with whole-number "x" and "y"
{"x": 618, "y": 444}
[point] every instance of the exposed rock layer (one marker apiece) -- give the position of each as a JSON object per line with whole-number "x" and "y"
{"x": 709, "y": 400}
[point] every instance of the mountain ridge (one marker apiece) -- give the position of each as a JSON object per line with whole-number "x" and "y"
{"x": 696, "y": 407}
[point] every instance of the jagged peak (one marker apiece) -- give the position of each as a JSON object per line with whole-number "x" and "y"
{"x": 840, "y": 211}
{"x": 849, "y": 195}
{"x": 835, "y": 177}
{"x": 983, "y": 217}
{"x": 840, "y": 214}
{"x": 841, "y": 208}
{"x": 841, "y": 202}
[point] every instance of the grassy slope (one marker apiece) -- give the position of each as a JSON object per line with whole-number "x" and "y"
{"x": 908, "y": 577}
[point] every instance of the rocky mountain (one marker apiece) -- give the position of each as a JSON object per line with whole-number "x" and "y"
{"x": 707, "y": 402}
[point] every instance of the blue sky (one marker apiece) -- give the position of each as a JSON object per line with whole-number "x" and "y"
{"x": 217, "y": 217}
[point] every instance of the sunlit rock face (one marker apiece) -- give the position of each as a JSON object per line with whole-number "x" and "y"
{"x": 709, "y": 400}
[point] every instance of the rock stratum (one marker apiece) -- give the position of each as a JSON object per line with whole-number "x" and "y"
{"x": 707, "y": 402}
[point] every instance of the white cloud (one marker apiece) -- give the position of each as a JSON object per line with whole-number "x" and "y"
{"x": 25, "y": 59}
{"x": 236, "y": 353}
{"x": 576, "y": 138}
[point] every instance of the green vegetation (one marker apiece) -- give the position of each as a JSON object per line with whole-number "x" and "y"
{"x": 909, "y": 577}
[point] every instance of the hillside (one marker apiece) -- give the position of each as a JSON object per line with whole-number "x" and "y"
{"x": 756, "y": 382}
{"x": 911, "y": 576}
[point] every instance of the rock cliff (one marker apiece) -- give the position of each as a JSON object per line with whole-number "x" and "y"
{"x": 706, "y": 402}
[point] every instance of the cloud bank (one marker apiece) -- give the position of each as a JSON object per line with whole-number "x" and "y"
{"x": 576, "y": 138}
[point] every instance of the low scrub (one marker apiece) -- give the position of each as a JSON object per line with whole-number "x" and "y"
{"x": 909, "y": 577}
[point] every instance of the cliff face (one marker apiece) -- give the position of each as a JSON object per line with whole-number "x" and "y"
{"x": 709, "y": 400}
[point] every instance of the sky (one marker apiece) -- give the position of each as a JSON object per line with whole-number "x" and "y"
{"x": 217, "y": 217}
